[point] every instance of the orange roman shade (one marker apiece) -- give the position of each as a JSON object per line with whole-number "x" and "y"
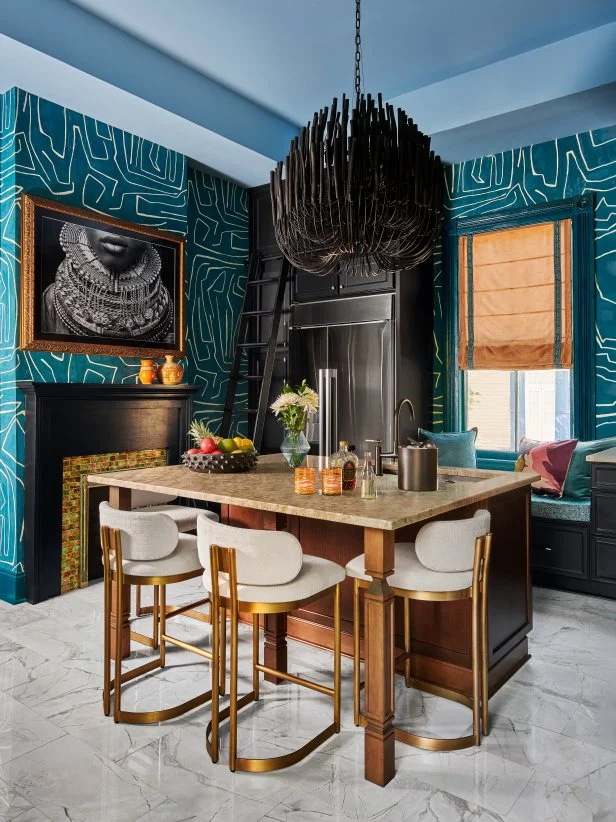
{"x": 515, "y": 298}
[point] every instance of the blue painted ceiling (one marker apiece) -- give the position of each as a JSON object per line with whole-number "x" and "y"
{"x": 246, "y": 74}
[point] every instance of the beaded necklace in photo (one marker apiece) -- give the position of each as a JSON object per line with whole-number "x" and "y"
{"x": 91, "y": 300}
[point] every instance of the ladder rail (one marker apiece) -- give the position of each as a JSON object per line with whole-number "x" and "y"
{"x": 242, "y": 330}
{"x": 270, "y": 356}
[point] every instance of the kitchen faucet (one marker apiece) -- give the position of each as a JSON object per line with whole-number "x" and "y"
{"x": 378, "y": 454}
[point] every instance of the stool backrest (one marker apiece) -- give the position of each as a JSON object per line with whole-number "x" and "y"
{"x": 449, "y": 545}
{"x": 141, "y": 499}
{"x": 145, "y": 535}
{"x": 262, "y": 557}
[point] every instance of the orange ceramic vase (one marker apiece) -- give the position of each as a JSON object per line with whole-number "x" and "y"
{"x": 170, "y": 372}
{"x": 147, "y": 372}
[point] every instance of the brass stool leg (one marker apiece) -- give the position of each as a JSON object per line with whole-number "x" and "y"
{"x": 337, "y": 658}
{"x": 407, "y": 642}
{"x": 215, "y": 682}
{"x": 138, "y": 600}
{"x": 476, "y": 666}
{"x": 223, "y": 650}
{"x": 233, "y": 693}
{"x": 255, "y": 654}
{"x": 485, "y": 695}
{"x": 163, "y": 623}
{"x": 356, "y": 653}
{"x": 117, "y": 688}
{"x": 107, "y": 644}
{"x": 155, "y": 617}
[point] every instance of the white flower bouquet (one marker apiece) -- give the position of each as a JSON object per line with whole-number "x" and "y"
{"x": 294, "y": 406}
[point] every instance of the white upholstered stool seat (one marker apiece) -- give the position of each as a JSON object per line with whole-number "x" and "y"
{"x": 316, "y": 575}
{"x": 262, "y": 573}
{"x": 184, "y": 560}
{"x": 411, "y": 575}
{"x": 184, "y": 516}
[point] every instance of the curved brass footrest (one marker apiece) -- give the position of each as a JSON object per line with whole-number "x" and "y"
{"x": 150, "y": 717}
{"x": 272, "y": 763}
{"x": 431, "y": 743}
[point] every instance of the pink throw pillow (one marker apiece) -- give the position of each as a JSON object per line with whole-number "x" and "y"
{"x": 550, "y": 460}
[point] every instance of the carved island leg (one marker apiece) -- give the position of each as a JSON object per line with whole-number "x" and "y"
{"x": 120, "y": 498}
{"x": 275, "y": 625}
{"x": 379, "y": 746}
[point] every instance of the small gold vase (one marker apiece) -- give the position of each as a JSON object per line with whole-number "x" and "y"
{"x": 147, "y": 372}
{"x": 170, "y": 372}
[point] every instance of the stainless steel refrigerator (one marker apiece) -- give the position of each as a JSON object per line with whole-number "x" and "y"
{"x": 356, "y": 336}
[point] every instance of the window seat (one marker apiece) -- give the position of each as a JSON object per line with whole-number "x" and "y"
{"x": 570, "y": 510}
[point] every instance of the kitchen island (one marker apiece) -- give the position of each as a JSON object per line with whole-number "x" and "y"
{"x": 342, "y": 527}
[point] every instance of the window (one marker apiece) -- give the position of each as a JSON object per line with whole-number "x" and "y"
{"x": 507, "y": 405}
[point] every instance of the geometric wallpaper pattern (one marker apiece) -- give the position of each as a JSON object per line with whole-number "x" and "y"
{"x": 62, "y": 155}
{"x": 568, "y": 167}
{"x": 216, "y": 254}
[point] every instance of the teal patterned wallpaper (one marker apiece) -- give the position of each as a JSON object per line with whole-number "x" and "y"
{"x": 581, "y": 164}
{"x": 216, "y": 253}
{"x": 59, "y": 154}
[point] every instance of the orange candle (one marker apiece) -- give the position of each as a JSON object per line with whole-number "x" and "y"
{"x": 331, "y": 482}
{"x": 305, "y": 480}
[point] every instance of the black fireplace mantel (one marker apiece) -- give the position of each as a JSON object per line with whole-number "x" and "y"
{"x": 78, "y": 419}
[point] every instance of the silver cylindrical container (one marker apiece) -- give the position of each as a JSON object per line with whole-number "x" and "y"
{"x": 417, "y": 468}
{"x": 328, "y": 414}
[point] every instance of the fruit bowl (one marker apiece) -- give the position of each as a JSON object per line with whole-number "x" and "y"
{"x": 220, "y": 463}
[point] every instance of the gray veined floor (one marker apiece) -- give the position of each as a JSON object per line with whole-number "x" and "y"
{"x": 551, "y": 754}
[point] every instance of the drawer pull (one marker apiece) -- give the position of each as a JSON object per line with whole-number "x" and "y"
{"x": 546, "y": 547}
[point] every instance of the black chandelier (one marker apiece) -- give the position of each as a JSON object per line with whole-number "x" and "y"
{"x": 358, "y": 188}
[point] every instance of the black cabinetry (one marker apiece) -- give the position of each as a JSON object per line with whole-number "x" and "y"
{"x": 581, "y": 556}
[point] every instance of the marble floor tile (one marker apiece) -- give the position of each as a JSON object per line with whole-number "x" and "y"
{"x": 546, "y": 799}
{"x": 12, "y": 803}
{"x": 475, "y": 775}
{"x": 22, "y": 730}
{"x": 66, "y": 780}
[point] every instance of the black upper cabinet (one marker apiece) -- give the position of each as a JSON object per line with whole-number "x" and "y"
{"x": 314, "y": 287}
{"x": 365, "y": 278}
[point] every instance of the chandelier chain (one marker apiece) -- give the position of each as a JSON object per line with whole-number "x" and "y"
{"x": 357, "y": 48}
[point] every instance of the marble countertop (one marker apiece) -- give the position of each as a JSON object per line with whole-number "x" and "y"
{"x": 609, "y": 455}
{"x": 270, "y": 487}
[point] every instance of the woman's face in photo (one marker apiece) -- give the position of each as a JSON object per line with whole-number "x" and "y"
{"x": 113, "y": 250}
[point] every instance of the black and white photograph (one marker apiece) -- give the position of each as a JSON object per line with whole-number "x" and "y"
{"x": 93, "y": 284}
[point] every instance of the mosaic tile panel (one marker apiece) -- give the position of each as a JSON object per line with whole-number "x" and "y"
{"x": 74, "y": 471}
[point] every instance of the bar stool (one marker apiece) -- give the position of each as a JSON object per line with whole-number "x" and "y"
{"x": 145, "y": 548}
{"x": 449, "y": 561}
{"x": 263, "y": 572}
{"x": 184, "y": 516}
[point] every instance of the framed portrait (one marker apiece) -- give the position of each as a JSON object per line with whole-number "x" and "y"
{"x": 91, "y": 284}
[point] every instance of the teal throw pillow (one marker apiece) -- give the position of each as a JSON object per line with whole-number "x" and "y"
{"x": 577, "y": 484}
{"x": 456, "y": 449}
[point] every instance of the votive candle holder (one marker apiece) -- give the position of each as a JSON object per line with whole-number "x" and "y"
{"x": 305, "y": 480}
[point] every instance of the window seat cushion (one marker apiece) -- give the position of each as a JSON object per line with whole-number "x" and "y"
{"x": 562, "y": 508}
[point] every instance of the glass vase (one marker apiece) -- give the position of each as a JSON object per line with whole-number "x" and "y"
{"x": 294, "y": 447}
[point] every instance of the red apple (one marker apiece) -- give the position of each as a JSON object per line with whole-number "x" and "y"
{"x": 207, "y": 445}
{"x": 194, "y": 451}
{"x": 216, "y": 451}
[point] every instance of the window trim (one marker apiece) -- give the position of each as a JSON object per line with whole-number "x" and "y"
{"x": 581, "y": 212}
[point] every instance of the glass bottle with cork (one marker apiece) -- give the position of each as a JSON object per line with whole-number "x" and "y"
{"x": 348, "y": 462}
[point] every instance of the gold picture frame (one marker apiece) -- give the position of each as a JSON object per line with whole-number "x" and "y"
{"x": 39, "y": 263}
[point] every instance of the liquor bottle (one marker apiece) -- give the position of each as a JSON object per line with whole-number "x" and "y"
{"x": 368, "y": 478}
{"x": 348, "y": 461}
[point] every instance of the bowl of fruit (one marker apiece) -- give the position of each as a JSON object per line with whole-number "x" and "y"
{"x": 218, "y": 455}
